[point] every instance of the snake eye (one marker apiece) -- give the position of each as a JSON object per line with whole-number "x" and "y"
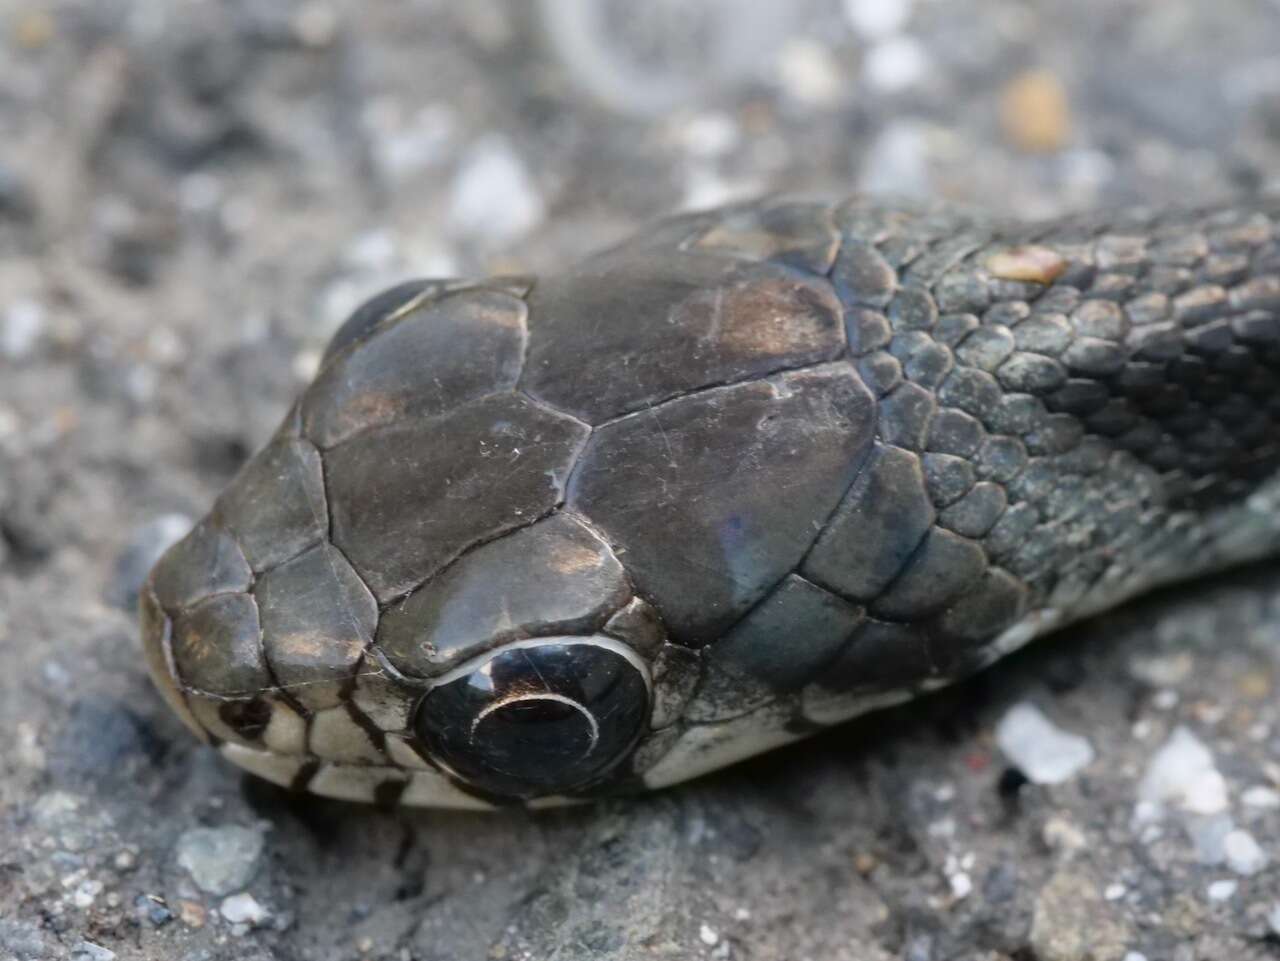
{"x": 537, "y": 717}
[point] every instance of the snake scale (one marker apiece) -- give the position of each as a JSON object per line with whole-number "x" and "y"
{"x": 745, "y": 476}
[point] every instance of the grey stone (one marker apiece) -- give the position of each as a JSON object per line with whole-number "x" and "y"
{"x": 220, "y": 860}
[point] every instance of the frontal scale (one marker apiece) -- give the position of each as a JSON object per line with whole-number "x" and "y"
{"x": 750, "y": 474}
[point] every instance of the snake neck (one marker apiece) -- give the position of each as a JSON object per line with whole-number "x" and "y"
{"x": 1108, "y": 383}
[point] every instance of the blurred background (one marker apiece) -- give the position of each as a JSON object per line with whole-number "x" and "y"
{"x": 194, "y": 194}
{"x": 263, "y": 166}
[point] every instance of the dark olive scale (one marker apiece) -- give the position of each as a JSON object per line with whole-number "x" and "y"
{"x": 748, "y": 474}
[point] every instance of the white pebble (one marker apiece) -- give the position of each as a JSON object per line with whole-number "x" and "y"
{"x": 877, "y": 19}
{"x": 895, "y": 64}
{"x": 406, "y": 146}
{"x": 1208, "y": 835}
{"x": 809, "y": 73}
{"x": 1261, "y": 796}
{"x": 305, "y": 365}
{"x": 86, "y": 893}
{"x": 494, "y": 197}
{"x": 1165, "y": 700}
{"x": 1134, "y": 956}
{"x": 709, "y": 135}
{"x": 23, "y": 323}
{"x": 88, "y": 951}
{"x": 199, "y": 193}
{"x": 1222, "y": 890}
{"x": 942, "y": 828}
{"x": 243, "y": 909}
{"x": 1045, "y": 753}
{"x": 1060, "y": 834}
{"x": 315, "y": 25}
{"x": 9, "y": 422}
{"x": 897, "y": 161}
{"x": 1114, "y": 892}
{"x": 1162, "y": 671}
{"x": 220, "y": 860}
{"x": 704, "y": 188}
{"x": 708, "y": 935}
{"x": 1182, "y": 773}
{"x": 1243, "y": 854}
{"x": 372, "y": 250}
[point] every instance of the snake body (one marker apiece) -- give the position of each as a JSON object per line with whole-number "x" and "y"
{"x": 745, "y": 476}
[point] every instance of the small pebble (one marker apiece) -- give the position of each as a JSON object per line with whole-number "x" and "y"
{"x": 493, "y": 197}
{"x": 34, "y": 29}
{"x": 895, "y": 64}
{"x": 21, "y": 940}
{"x": 1222, "y": 890}
{"x": 407, "y": 145}
{"x": 1261, "y": 796}
{"x": 1034, "y": 112}
{"x": 1045, "y": 753}
{"x": 28, "y": 750}
{"x": 1243, "y": 854}
{"x": 88, "y": 951}
{"x": 1039, "y": 265}
{"x": 709, "y": 135}
{"x": 1182, "y": 774}
{"x": 1165, "y": 700}
{"x": 877, "y": 19}
{"x": 243, "y": 908}
{"x": 86, "y": 893}
{"x": 153, "y": 909}
{"x": 315, "y": 25}
{"x": 20, "y": 328}
{"x": 192, "y": 914}
{"x": 1059, "y": 834}
{"x": 708, "y": 935}
{"x": 1162, "y": 671}
{"x": 1208, "y": 836}
{"x": 809, "y": 73}
{"x": 220, "y": 860}
{"x": 897, "y": 161}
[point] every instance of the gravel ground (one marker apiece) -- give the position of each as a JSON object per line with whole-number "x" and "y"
{"x": 192, "y": 196}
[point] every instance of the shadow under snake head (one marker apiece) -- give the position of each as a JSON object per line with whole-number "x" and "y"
{"x": 750, "y": 474}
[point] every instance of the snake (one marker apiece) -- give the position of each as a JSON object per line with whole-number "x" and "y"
{"x": 738, "y": 479}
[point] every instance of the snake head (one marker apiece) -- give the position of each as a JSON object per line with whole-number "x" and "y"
{"x": 389, "y": 602}
{"x": 522, "y": 541}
